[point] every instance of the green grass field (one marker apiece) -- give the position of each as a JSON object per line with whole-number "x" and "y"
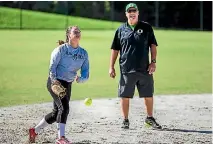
{"x": 10, "y": 18}
{"x": 184, "y": 62}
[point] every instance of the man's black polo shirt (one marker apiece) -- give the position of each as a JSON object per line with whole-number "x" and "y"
{"x": 134, "y": 46}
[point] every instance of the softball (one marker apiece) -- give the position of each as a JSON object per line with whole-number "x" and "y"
{"x": 88, "y": 101}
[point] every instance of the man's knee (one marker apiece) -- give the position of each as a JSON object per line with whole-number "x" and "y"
{"x": 148, "y": 97}
{"x": 125, "y": 99}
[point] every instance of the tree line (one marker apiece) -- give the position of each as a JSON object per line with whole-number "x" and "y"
{"x": 177, "y": 14}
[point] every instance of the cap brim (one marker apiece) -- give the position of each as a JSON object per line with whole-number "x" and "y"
{"x": 131, "y": 7}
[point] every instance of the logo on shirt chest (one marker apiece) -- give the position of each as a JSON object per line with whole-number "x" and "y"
{"x": 139, "y": 31}
{"x": 75, "y": 56}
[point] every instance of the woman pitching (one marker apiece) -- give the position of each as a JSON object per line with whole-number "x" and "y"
{"x": 65, "y": 61}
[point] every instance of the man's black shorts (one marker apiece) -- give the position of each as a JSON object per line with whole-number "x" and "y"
{"x": 143, "y": 82}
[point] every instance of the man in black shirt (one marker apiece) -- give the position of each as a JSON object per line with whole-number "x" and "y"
{"x": 133, "y": 40}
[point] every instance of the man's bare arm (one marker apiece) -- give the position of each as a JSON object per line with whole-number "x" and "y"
{"x": 153, "y": 50}
{"x": 114, "y": 55}
{"x": 152, "y": 65}
{"x": 113, "y": 58}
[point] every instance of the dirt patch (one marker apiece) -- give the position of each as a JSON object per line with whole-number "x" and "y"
{"x": 185, "y": 119}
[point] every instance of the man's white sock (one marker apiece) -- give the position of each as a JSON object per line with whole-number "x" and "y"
{"x": 61, "y": 129}
{"x": 42, "y": 124}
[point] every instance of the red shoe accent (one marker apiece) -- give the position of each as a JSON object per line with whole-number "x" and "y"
{"x": 32, "y": 135}
{"x": 62, "y": 140}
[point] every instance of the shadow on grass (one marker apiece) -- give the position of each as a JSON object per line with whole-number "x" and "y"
{"x": 184, "y": 130}
{"x": 85, "y": 142}
{"x": 81, "y": 142}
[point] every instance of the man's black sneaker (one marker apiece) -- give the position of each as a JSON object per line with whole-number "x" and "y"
{"x": 125, "y": 124}
{"x": 150, "y": 122}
